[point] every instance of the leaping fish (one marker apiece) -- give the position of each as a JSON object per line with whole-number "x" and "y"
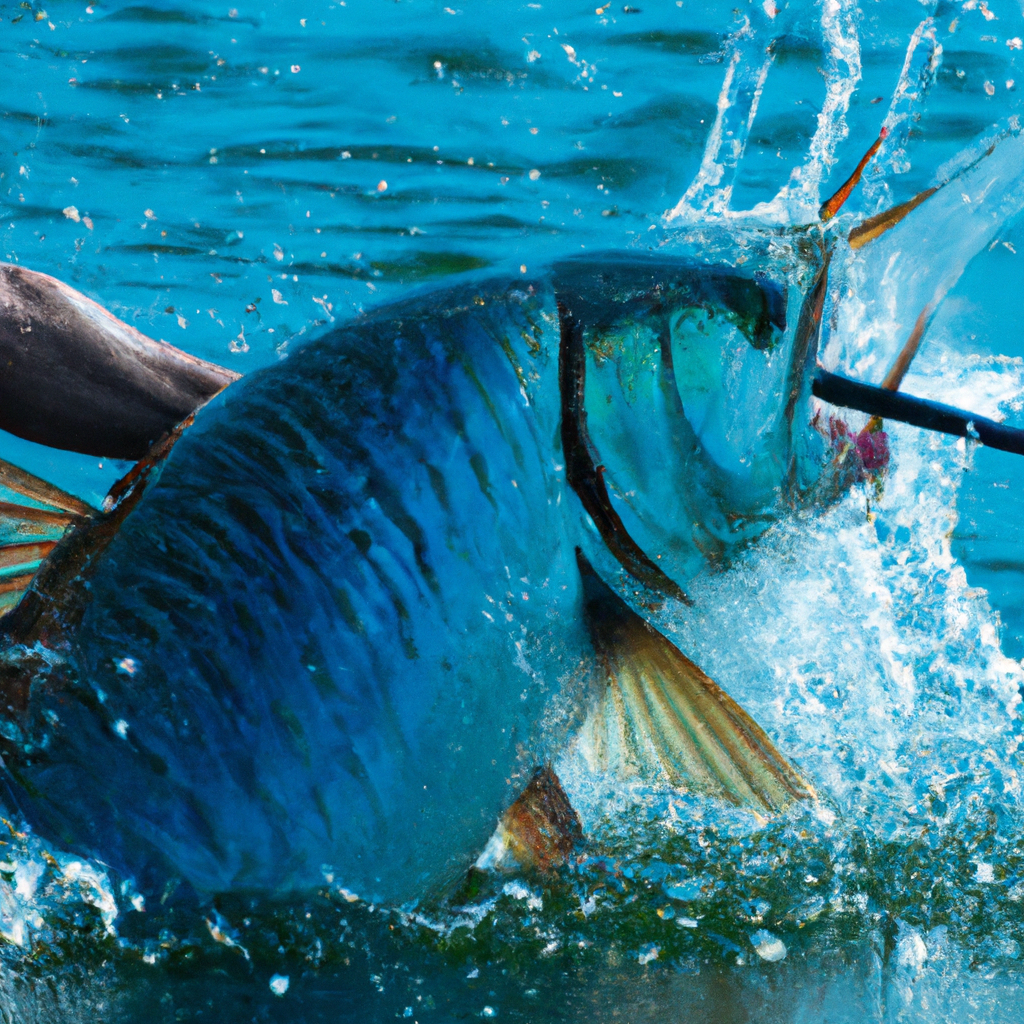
{"x": 342, "y": 607}
{"x": 330, "y": 625}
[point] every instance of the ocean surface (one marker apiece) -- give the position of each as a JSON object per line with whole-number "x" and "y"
{"x": 238, "y": 180}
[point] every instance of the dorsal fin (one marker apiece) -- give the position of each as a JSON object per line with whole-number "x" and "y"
{"x": 662, "y": 718}
{"x": 29, "y": 532}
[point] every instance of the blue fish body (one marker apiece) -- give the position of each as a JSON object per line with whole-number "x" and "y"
{"x": 344, "y": 624}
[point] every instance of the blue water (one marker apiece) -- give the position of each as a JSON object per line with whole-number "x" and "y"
{"x": 236, "y": 181}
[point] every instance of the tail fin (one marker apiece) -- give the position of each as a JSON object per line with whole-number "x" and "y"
{"x": 77, "y": 378}
{"x": 662, "y": 717}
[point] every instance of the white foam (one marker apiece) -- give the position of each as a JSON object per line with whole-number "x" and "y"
{"x": 35, "y": 883}
{"x": 853, "y": 637}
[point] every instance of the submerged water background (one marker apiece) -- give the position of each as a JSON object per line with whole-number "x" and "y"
{"x": 215, "y": 177}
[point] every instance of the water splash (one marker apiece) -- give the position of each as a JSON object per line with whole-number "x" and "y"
{"x": 749, "y": 56}
{"x": 799, "y": 199}
{"x": 40, "y": 888}
{"x": 853, "y": 636}
{"x": 881, "y": 291}
{"x": 917, "y": 76}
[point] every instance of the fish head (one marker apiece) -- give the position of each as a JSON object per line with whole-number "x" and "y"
{"x": 694, "y": 367}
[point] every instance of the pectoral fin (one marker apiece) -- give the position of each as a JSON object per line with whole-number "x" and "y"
{"x": 662, "y": 718}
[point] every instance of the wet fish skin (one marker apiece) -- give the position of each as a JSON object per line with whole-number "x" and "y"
{"x": 343, "y": 625}
{"x": 304, "y": 596}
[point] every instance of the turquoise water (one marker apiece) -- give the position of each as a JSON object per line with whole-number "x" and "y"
{"x": 235, "y": 181}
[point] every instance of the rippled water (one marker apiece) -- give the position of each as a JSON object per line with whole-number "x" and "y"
{"x": 235, "y": 180}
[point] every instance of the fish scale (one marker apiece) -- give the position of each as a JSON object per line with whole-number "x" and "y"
{"x": 300, "y": 769}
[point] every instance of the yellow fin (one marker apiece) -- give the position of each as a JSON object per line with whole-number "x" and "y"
{"x": 662, "y": 718}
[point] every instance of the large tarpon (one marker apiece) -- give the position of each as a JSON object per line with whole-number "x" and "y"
{"x": 348, "y": 618}
{"x": 374, "y": 585}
